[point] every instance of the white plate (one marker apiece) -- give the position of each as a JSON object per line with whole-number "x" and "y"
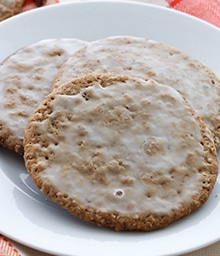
{"x": 28, "y": 216}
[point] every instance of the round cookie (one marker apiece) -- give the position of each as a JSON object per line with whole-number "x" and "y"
{"x": 121, "y": 152}
{"x": 149, "y": 59}
{"x": 9, "y": 8}
{"x": 26, "y": 78}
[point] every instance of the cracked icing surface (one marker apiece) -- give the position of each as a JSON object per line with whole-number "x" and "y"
{"x": 127, "y": 55}
{"x": 113, "y": 149}
{"x": 26, "y": 78}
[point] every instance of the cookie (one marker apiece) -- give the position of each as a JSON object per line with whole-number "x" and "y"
{"x": 121, "y": 152}
{"x": 9, "y": 8}
{"x": 150, "y": 59}
{"x": 26, "y": 78}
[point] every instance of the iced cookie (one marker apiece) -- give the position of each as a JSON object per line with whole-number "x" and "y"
{"x": 26, "y": 78}
{"x": 150, "y": 59}
{"x": 9, "y": 8}
{"x": 121, "y": 152}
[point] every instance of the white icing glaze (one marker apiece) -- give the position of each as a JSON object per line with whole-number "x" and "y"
{"x": 27, "y": 77}
{"x": 126, "y": 148}
{"x": 145, "y": 58}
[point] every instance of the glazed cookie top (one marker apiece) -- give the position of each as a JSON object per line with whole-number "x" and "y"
{"x": 151, "y": 59}
{"x": 26, "y": 78}
{"x": 123, "y": 149}
{"x": 9, "y": 8}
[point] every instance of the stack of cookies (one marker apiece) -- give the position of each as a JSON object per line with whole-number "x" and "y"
{"x": 122, "y": 132}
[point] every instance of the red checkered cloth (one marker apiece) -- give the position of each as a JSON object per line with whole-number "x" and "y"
{"x": 208, "y": 10}
{"x": 6, "y": 248}
{"x": 30, "y": 4}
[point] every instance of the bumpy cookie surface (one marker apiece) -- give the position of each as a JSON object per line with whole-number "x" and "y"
{"x": 26, "y": 78}
{"x": 150, "y": 59}
{"x": 9, "y": 8}
{"x": 121, "y": 152}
